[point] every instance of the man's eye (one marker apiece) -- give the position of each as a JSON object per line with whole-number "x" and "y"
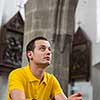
{"x": 42, "y": 48}
{"x": 49, "y": 49}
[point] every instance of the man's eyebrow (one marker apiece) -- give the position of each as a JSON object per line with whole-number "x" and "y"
{"x": 44, "y": 45}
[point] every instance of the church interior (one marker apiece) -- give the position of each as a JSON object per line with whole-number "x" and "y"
{"x": 73, "y": 28}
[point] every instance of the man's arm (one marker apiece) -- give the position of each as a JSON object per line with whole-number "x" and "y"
{"x": 76, "y": 96}
{"x": 17, "y": 94}
{"x": 60, "y": 97}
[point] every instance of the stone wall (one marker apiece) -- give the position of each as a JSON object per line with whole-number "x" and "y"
{"x": 96, "y": 81}
{"x": 3, "y": 85}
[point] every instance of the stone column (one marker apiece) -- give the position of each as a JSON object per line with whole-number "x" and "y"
{"x": 55, "y": 20}
{"x": 39, "y": 20}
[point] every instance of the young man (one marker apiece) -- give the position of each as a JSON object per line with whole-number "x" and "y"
{"x": 32, "y": 82}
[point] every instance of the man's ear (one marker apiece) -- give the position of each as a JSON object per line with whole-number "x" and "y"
{"x": 30, "y": 55}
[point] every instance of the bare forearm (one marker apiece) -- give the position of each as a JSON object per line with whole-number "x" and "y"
{"x": 22, "y": 99}
{"x": 76, "y": 96}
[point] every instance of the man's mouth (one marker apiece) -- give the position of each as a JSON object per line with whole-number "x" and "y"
{"x": 47, "y": 58}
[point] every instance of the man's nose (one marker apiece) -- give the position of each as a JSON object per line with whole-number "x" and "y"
{"x": 48, "y": 51}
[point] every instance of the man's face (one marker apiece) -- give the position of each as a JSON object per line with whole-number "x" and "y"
{"x": 42, "y": 52}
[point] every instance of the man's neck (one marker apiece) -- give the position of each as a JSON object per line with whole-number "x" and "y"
{"x": 37, "y": 71}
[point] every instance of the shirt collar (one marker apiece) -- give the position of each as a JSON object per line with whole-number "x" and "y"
{"x": 32, "y": 78}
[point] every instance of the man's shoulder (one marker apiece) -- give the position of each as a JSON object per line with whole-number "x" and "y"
{"x": 18, "y": 71}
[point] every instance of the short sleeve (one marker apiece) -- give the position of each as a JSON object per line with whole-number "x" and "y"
{"x": 15, "y": 80}
{"x": 56, "y": 88}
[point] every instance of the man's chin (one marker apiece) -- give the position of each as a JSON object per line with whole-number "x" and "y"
{"x": 47, "y": 64}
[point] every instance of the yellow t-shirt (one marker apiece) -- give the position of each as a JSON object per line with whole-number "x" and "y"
{"x": 23, "y": 79}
